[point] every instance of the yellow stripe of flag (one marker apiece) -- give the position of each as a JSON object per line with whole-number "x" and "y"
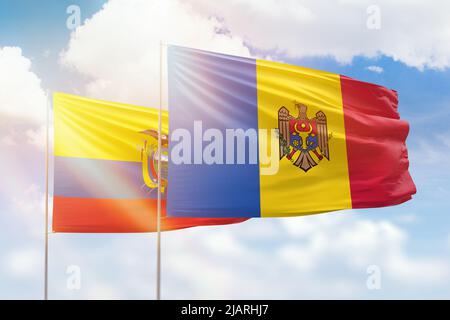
{"x": 88, "y": 128}
{"x": 327, "y": 186}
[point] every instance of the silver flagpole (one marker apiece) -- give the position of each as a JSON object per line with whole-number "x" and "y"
{"x": 158, "y": 221}
{"x": 46, "y": 199}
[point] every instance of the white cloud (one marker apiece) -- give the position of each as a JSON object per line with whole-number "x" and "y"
{"x": 431, "y": 271}
{"x": 103, "y": 292}
{"x": 118, "y": 48}
{"x": 23, "y": 263}
{"x": 448, "y": 241}
{"x": 47, "y": 53}
{"x": 359, "y": 243}
{"x": 37, "y": 137}
{"x": 443, "y": 138}
{"x": 407, "y": 218}
{"x": 339, "y": 28}
{"x": 308, "y": 257}
{"x": 8, "y": 140}
{"x": 323, "y": 256}
{"x": 23, "y": 104}
{"x": 31, "y": 200}
{"x": 431, "y": 151}
{"x": 21, "y": 94}
{"x": 28, "y": 208}
{"x": 376, "y": 69}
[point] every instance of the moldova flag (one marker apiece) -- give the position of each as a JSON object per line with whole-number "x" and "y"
{"x": 254, "y": 138}
{"x": 105, "y": 168}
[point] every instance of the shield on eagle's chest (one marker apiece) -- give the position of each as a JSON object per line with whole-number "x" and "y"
{"x": 303, "y": 140}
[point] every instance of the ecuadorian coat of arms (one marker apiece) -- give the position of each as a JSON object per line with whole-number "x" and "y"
{"x": 303, "y": 140}
{"x": 150, "y": 157}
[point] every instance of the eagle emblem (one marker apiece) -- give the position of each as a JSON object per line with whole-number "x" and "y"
{"x": 303, "y": 140}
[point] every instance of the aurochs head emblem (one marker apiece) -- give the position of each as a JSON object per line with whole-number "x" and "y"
{"x": 303, "y": 140}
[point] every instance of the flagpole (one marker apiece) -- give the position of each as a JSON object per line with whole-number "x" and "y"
{"x": 158, "y": 221}
{"x": 46, "y": 199}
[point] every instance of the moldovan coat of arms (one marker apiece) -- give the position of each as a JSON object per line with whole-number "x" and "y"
{"x": 303, "y": 140}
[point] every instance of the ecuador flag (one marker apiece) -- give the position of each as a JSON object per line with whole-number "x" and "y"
{"x": 105, "y": 168}
{"x": 254, "y": 138}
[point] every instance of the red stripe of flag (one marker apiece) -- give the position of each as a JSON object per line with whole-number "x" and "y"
{"x": 376, "y": 151}
{"x": 86, "y": 215}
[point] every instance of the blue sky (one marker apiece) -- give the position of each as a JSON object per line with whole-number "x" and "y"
{"x": 39, "y": 27}
{"x": 105, "y": 58}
